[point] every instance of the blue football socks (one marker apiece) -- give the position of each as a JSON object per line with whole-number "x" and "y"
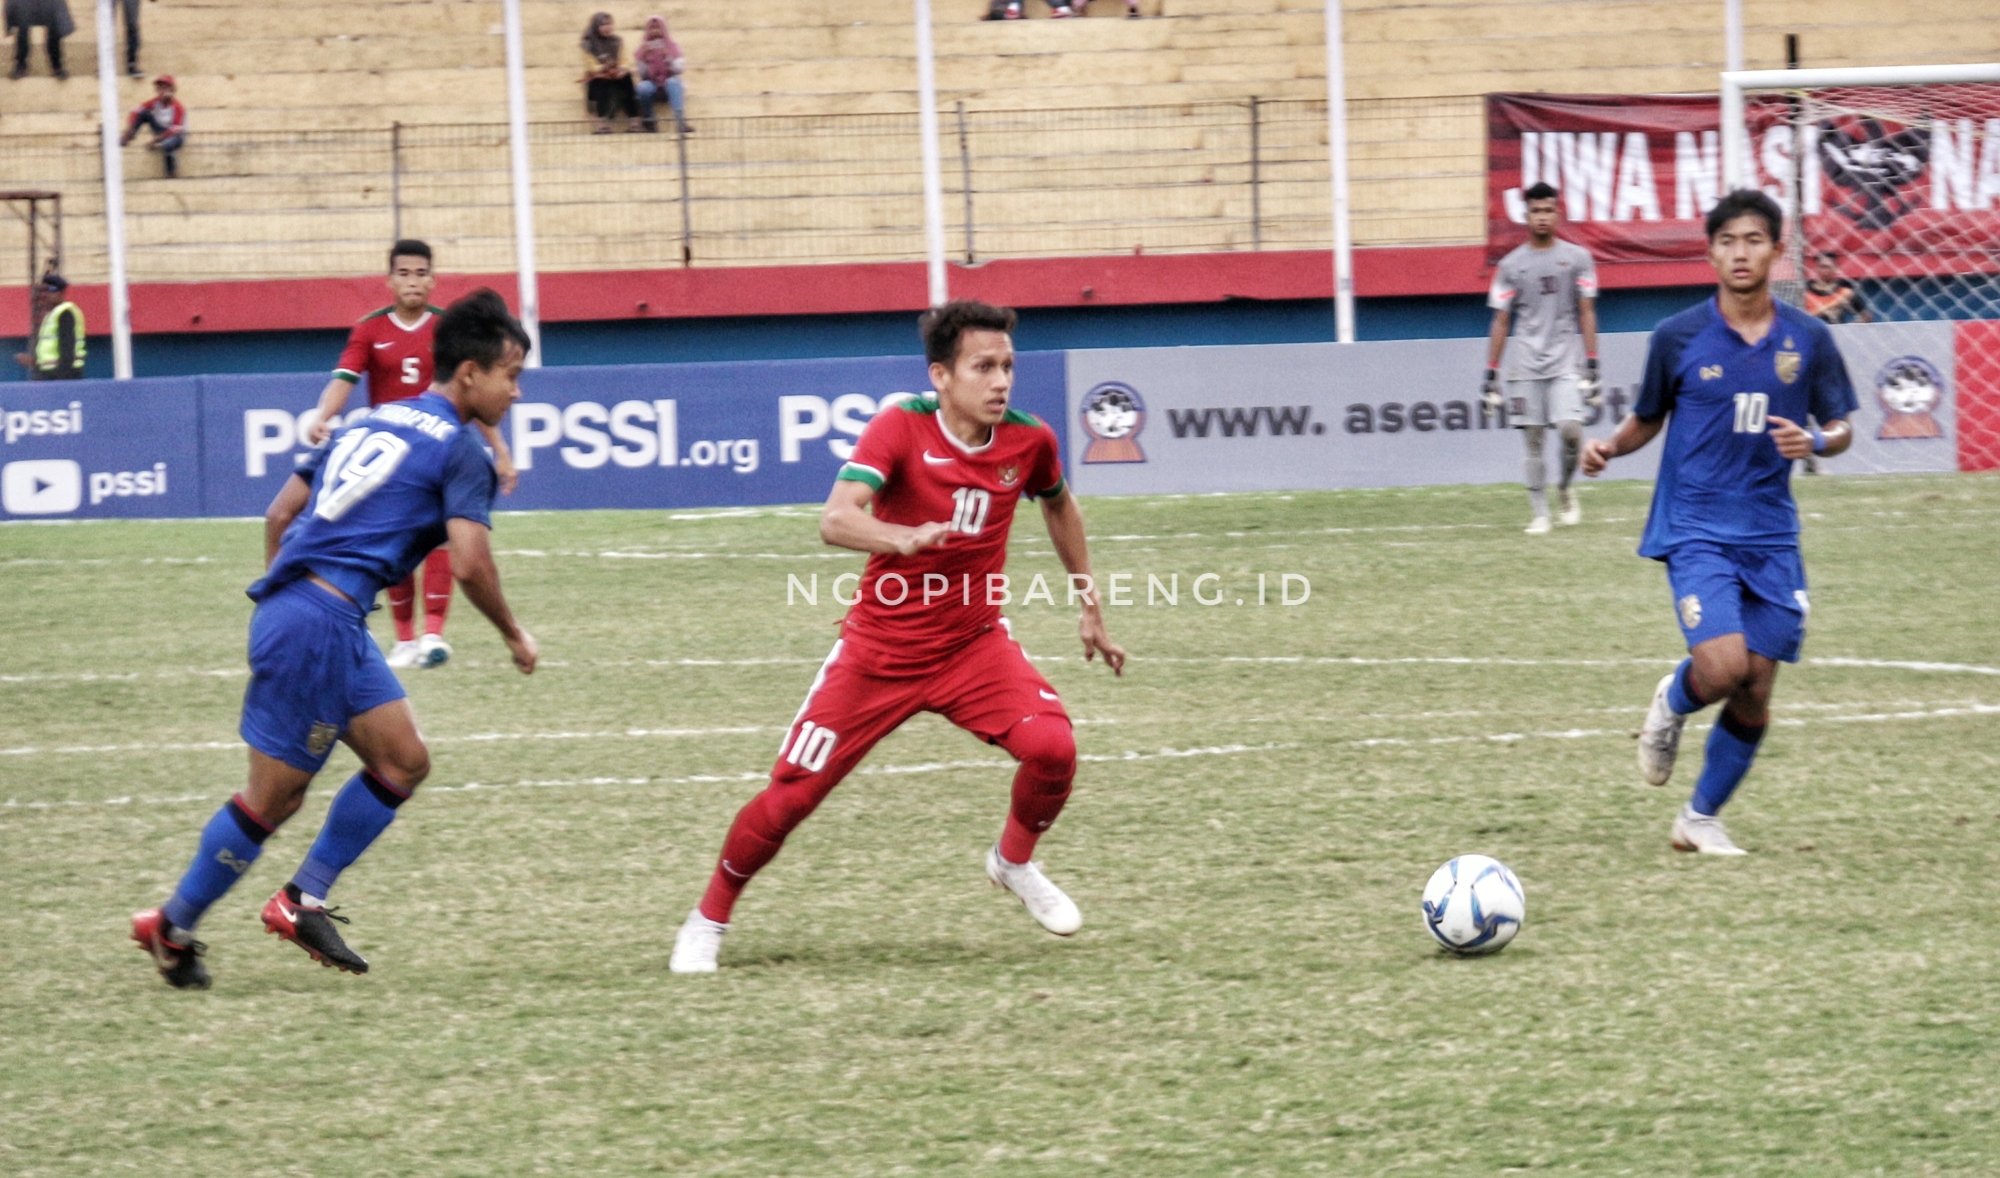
{"x": 1731, "y": 748}
{"x": 1680, "y": 693}
{"x": 361, "y": 811}
{"x": 230, "y": 843}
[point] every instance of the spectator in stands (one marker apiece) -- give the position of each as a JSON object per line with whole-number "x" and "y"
{"x": 53, "y": 18}
{"x": 131, "y": 8}
{"x": 1831, "y": 297}
{"x": 607, "y": 83}
{"x": 168, "y": 120}
{"x": 58, "y": 343}
{"x": 659, "y": 66}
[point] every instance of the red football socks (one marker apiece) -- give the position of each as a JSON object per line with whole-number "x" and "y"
{"x": 437, "y": 590}
{"x": 1047, "y": 750}
{"x": 403, "y": 607}
{"x": 748, "y": 848}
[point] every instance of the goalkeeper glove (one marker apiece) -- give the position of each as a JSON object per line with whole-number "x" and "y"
{"x": 1490, "y": 390}
{"x": 1592, "y": 384}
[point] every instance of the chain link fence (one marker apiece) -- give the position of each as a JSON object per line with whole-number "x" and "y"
{"x": 1200, "y": 177}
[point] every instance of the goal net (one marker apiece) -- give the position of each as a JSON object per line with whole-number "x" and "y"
{"x": 1893, "y": 234}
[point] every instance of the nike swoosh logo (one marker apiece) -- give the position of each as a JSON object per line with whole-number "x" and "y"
{"x": 936, "y": 461}
{"x": 384, "y": 345}
{"x": 291, "y": 915}
{"x": 1050, "y": 695}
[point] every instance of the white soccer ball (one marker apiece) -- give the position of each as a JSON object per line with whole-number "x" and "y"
{"x": 1474, "y": 905}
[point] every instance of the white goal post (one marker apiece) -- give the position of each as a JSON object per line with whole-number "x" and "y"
{"x": 1889, "y": 178}
{"x": 1736, "y": 162}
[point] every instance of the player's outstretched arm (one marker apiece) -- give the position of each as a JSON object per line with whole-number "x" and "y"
{"x": 472, "y": 563}
{"x": 1632, "y": 435}
{"x": 846, "y": 522}
{"x": 1796, "y": 441}
{"x": 1065, "y": 521}
{"x": 332, "y": 399}
{"x": 285, "y": 507}
{"x": 503, "y": 458}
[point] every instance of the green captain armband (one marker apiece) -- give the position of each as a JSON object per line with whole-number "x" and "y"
{"x": 861, "y": 473}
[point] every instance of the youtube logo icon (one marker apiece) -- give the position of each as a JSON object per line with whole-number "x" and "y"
{"x": 42, "y": 486}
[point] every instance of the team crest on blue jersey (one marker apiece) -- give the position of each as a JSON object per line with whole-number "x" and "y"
{"x": 321, "y": 738}
{"x": 1690, "y": 607}
{"x": 1788, "y": 363}
{"x": 1909, "y": 389}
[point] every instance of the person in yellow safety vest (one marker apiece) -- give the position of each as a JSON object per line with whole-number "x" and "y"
{"x": 58, "y": 342}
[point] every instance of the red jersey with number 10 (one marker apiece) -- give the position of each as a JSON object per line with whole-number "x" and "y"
{"x": 916, "y": 610}
{"x": 396, "y": 359}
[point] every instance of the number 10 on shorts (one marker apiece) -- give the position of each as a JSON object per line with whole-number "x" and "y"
{"x": 1751, "y": 410}
{"x": 811, "y": 747}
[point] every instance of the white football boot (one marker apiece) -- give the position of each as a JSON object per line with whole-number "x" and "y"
{"x": 1044, "y": 900}
{"x": 1660, "y": 736}
{"x": 1540, "y": 526}
{"x": 1703, "y": 833}
{"x": 697, "y": 944}
{"x": 433, "y": 650}
{"x": 1572, "y": 511}
{"x": 404, "y": 654}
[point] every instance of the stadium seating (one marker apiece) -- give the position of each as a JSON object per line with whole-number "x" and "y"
{"x": 291, "y": 106}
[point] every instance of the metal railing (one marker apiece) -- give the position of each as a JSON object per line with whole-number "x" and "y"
{"x": 770, "y": 190}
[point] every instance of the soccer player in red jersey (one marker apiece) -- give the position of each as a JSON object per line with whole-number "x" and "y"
{"x": 392, "y": 348}
{"x": 925, "y": 634}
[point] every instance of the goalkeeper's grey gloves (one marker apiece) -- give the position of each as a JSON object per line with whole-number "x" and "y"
{"x": 1592, "y": 384}
{"x": 1490, "y": 390}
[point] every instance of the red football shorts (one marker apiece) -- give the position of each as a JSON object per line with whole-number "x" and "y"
{"x": 985, "y": 687}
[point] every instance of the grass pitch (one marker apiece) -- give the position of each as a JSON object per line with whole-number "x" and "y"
{"x": 1264, "y": 794}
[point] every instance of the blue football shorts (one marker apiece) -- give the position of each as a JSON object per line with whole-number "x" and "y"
{"x": 313, "y": 668}
{"x": 1759, "y": 593}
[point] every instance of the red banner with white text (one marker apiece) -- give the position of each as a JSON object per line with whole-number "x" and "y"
{"x": 1905, "y": 180}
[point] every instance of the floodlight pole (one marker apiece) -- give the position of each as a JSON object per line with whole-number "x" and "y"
{"x": 524, "y": 196}
{"x": 1336, "y": 143}
{"x": 927, "y": 123}
{"x": 114, "y": 192}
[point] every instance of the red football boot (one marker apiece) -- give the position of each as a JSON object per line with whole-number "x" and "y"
{"x": 312, "y": 929}
{"x": 179, "y": 964}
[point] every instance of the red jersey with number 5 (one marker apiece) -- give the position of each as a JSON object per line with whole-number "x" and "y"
{"x": 916, "y": 610}
{"x": 396, "y": 359}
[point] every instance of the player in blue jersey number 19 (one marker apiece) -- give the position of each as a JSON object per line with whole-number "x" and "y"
{"x": 389, "y": 490}
{"x": 1751, "y": 386}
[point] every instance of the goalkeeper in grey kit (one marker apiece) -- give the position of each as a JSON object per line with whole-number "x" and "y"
{"x": 1546, "y": 292}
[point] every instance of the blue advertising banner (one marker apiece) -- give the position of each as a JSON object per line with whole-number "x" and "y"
{"x": 713, "y": 435}
{"x": 95, "y": 449}
{"x": 253, "y": 427}
{"x": 640, "y": 436}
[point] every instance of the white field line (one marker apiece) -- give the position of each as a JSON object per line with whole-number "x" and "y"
{"x": 696, "y": 779}
{"x": 1909, "y": 710}
{"x": 473, "y": 738}
{"x": 1289, "y": 660}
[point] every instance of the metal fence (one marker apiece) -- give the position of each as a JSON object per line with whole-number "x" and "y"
{"x": 1201, "y": 177}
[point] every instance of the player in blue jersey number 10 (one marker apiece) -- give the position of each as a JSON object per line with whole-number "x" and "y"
{"x": 1751, "y": 386}
{"x": 389, "y": 490}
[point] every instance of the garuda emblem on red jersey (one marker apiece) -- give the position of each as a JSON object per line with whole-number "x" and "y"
{"x": 1010, "y": 474}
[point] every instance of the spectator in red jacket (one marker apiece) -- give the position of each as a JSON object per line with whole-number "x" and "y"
{"x": 166, "y": 117}
{"x": 659, "y": 65}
